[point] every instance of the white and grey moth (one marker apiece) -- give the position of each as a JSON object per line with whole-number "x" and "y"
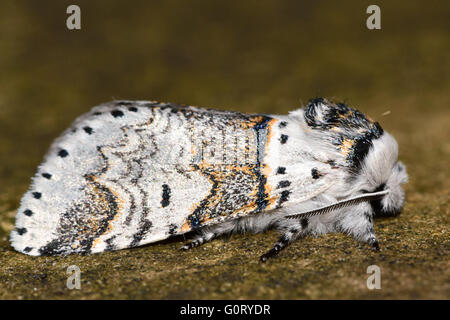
{"x": 129, "y": 173}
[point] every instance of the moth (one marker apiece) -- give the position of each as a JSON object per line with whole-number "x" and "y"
{"x": 130, "y": 173}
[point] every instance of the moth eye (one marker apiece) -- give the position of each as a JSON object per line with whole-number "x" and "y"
{"x": 381, "y": 187}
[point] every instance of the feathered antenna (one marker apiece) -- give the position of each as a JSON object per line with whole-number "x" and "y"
{"x": 340, "y": 204}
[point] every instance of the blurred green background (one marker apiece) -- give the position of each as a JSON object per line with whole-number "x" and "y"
{"x": 252, "y": 56}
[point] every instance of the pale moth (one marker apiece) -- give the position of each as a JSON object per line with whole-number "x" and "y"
{"x": 130, "y": 173}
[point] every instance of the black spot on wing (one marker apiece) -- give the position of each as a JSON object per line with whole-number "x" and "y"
{"x": 37, "y": 195}
{"x": 283, "y": 124}
{"x": 117, "y": 113}
{"x": 283, "y": 184}
{"x": 47, "y": 175}
{"x": 63, "y": 153}
{"x": 27, "y": 249}
{"x": 283, "y": 138}
{"x": 28, "y": 212}
{"x": 165, "y": 195}
{"x": 21, "y": 231}
{"x": 284, "y": 197}
{"x": 132, "y": 109}
{"x": 281, "y": 170}
{"x": 315, "y": 173}
{"x": 88, "y": 130}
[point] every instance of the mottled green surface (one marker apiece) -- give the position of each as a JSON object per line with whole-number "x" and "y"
{"x": 258, "y": 57}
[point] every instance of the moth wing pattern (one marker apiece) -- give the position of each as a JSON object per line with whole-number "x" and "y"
{"x": 129, "y": 173}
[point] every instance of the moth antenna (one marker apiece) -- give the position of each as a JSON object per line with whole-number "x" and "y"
{"x": 340, "y": 204}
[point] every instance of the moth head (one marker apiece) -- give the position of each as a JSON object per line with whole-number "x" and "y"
{"x": 381, "y": 170}
{"x": 362, "y": 148}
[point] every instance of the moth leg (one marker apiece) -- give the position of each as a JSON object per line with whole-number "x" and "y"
{"x": 279, "y": 245}
{"x": 373, "y": 242}
{"x": 290, "y": 234}
{"x": 207, "y": 234}
{"x": 369, "y": 235}
{"x": 363, "y": 231}
{"x": 198, "y": 240}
